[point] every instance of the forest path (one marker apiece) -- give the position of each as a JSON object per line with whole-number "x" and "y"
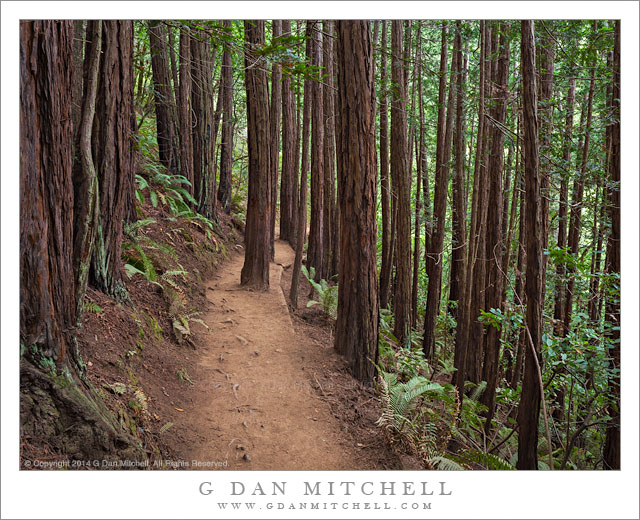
{"x": 256, "y": 407}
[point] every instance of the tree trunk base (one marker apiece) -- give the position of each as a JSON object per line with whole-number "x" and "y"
{"x": 70, "y": 420}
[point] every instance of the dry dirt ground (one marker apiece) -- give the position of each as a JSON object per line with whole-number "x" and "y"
{"x": 269, "y": 393}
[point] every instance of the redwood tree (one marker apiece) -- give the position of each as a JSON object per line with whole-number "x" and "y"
{"x": 113, "y": 153}
{"x": 436, "y": 241}
{"x": 185, "y": 114}
{"x": 330, "y": 210}
{"x": 226, "y": 145}
{"x": 301, "y": 220}
{"x": 275, "y": 115}
{"x": 316, "y": 253}
{"x": 529, "y": 408}
{"x": 47, "y": 306}
{"x": 459, "y": 207}
{"x": 205, "y": 124}
{"x": 288, "y": 209}
{"x": 495, "y": 238}
{"x": 163, "y": 93}
{"x": 357, "y": 324}
{"x": 385, "y": 185}
{"x": 402, "y": 186}
{"x": 255, "y": 271}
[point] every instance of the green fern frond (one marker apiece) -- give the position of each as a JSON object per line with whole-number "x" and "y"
{"x": 130, "y": 229}
{"x": 478, "y": 391}
{"x": 486, "y": 460}
{"x": 92, "y": 307}
{"x": 443, "y": 463}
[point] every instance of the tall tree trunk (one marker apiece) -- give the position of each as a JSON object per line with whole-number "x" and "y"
{"x": 163, "y": 93}
{"x": 558, "y": 312}
{"x": 255, "y": 271}
{"x": 596, "y": 258}
{"x": 478, "y": 294}
{"x": 77, "y": 79}
{"x": 385, "y": 188}
{"x": 463, "y": 353}
{"x": 495, "y": 239}
{"x": 275, "y": 115}
{"x": 576, "y": 209}
{"x": 301, "y": 224}
{"x": 47, "y": 306}
{"x": 184, "y": 108}
{"x": 529, "y": 408}
{"x": 226, "y": 145}
{"x": 289, "y": 143}
{"x": 418, "y": 210}
{"x": 172, "y": 57}
{"x": 611, "y": 452}
{"x": 316, "y": 253}
{"x": 357, "y": 324}
{"x": 546, "y": 52}
{"x": 204, "y": 132}
{"x": 85, "y": 178}
{"x": 443, "y": 155}
{"x": 519, "y": 295}
{"x": 509, "y": 354}
{"x": 113, "y": 154}
{"x": 402, "y": 186}
{"x": 459, "y": 209}
{"x": 329, "y": 151}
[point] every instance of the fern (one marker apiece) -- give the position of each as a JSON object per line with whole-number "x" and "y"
{"x": 478, "y": 391}
{"x": 401, "y": 398}
{"x": 92, "y": 307}
{"x": 327, "y": 294}
{"x": 132, "y": 228}
{"x": 444, "y": 463}
{"x": 486, "y": 460}
{"x": 140, "y": 264}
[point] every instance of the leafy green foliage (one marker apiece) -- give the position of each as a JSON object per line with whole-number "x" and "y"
{"x": 327, "y": 294}
{"x": 92, "y": 307}
{"x": 489, "y": 461}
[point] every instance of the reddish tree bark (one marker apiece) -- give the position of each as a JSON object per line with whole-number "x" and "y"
{"x": 575, "y": 222}
{"x": 546, "y": 56}
{"x": 478, "y": 279}
{"x": 163, "y": 93}
{"x": 385, "y": 188}
{"x": 113, "y": 153}
{"x": 288, "y": 209}
{"x": 459, "y": 209}
{"x": 185, "y": 93}
{"x": 529, "y": 408}
{"x": 402, "y": 187}
{"x": 275, "y": 115}
{"x": 494, "y": 253}
{"x": 558, "y": 313}
{"x": 226, "y": 145}
{"x": 463, "y": 354}
{"x": 436, "y": 241}
{"x": 205, "y": 124}
{"x": 47, "y": 306}
{"x": 85, "y": 178}
{"x": 418, "y": 209}
{"x": 330, "y": 210}
{"x": 357, "y": 324}
{"x": 255, "y": 271}
{"x": 301, "y": 224}
{"x": 316, "y": 253}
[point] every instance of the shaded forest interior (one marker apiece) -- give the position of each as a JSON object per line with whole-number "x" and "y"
{"x": 451, "y": 190}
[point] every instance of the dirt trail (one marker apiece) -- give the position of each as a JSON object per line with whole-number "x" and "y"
{"x": 256, "y": 407}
